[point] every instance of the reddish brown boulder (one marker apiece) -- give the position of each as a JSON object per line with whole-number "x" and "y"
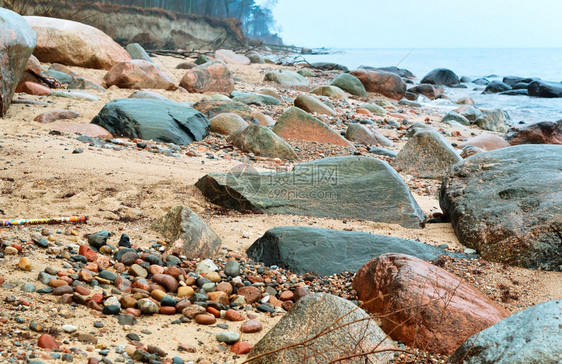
{"x": 250, "y": 293}
{"x": 423, "y": 305}
{"x": 138, "y": 74}
{"x": 385, "y": 83}
{"x": 298, "y": 124}
{"x": 430, "y": 91}
{"x": 74, "y": 44}
{"x": 230, "y": 57}
{"x": 46, "y": 341}
{"x": 208, "y": 77}
{"x": 486, "y": 142}
{"x": 166, "y": 281}
{"x": 54, "y": 115}
{"x": 91, "y": 130}
{"x": 32, "y": 88}
{"x": 543, "y": 132}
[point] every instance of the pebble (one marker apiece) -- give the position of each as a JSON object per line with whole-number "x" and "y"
{"x": 133, "y": 337}
{"x": 111, "y": 310}
{"x": 228, "y": 337}
{"x": 232, "y": 268}
{"x": 241, "y": 348}
{"x": 69, "y": 328}
{"x": 147, "y": 306}
{"x": 25, "y": 264}
{"x": 46, "y": 341}
{"x": 251, "y": 326}
{"x": 206, "y": 266}
{"x": 192, "y": 311}
{"x": 28, "y": 287}
{"x": 10, "y": 250}
{"x": 205, "y": 319}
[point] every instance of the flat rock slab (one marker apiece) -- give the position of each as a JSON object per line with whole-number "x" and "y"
{"x": 533, "y": 335}
{"x": 507, "y": 204}
{"x": 305, "y": 249}
{"x": 164, "y": 121}
{"x": 339, "y": 187}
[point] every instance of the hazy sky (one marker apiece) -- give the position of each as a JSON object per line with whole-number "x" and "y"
{"x": 420, "y": 23}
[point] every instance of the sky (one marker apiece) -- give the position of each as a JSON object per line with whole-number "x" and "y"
{"x": 420, "y": 23}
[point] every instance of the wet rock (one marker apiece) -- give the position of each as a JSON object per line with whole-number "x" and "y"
{"x": 212, "y": 76}
{"x": 430, "y": 91}
{"x": 545, "y": 89}
{"x": 454, "y": 119}
{"x": 361, "y": 182}
{"x": 164, "y": 121}
{"x": 493, "y": 120}
{"x": 543, "y": 132}
{"x": 324, "y": 309}
{"x": 325, "y": 252}
{"x": 349, "y": 83}
{"x": 469, "y": 112}
{"x": 189, "y": 233}
{"x": 17, "y": 41}
{"x": 385, "y": 83}
{"x": 295, "y": 123}
{"x": 529, "y": 336}
{"x": 424, "y": 306}
{"x": 286, "y": 78}
{"x": 495, "y": 87}
{"x": 138, "y": 74}
{"x": 441, "y": 76}
{"x": 74, "y": 44}
{"x": 507, "y": 212}
{"x": 261, "y": 141}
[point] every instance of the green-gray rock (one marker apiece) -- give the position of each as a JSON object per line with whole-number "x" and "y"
{"x": 212, "y": 108}
{"x": 452, "y": 118}
{"x": 375, "y": 109}
{"x": 339, "y": 187}
{"x": 252, "y": 98}
{"x": 507, "y": 205}
{"x": 228, "y": 337}
{"x": 136, "y": 51}
{"x": 260, "y": 140}
{"x": 286, "y": 78}
{"x": 306, "y": 73}
{"x": 188, "y": 232}
{"x": 362, "y": 134}
{"x": 349, "y": 330}
{"x": 227, "y": 123}
{"x": 427, "y": 154}
{"x": 493, "y": 120}
{"x": 62, "y": 77}
{"x": 304, "y": 249}
{"x": 76, "y": 95}
{"x": 202, "y": 60}
{"x": 311, "y": 105}
{"x": 471, "y": 113}
{"x": 349, "y": 83}
{"x": 332, "y": 92}
{"x": 164, "y": 121}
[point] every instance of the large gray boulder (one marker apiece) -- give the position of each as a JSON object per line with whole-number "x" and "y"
{"x": 349, "y": 83}
{"x": 531, "y": 336}
{"x": 493, "y": 120}
{"x": 164, "y": 121}
{"x": 441, "y": 76}
{"x": 17, "y": 42}
{"x": 545, "y": 89}
{"x": 427, "y": 154}
{"x": 341, "y": 328}
{"x": 507, "y": 204}
{"x": 188, "y": 233}
{"x": 304, "y": 249}
{"x": 339, "y": 187}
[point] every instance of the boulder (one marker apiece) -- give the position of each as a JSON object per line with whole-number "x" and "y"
{"x": 430, "y": 91}
{"x": 138, "y": 74}
{"x": 543, "y": 132}
{"x": 470, "y": 150}
{"x": 519, "y": 92}
{"x": 75, "y": 44}
{"x": 17, "y": 41}
{"x": 332, "y": 92}
{"x": 254, "y": 98}
{"x": 295, "y": 123}
{"x": 493, "y": 120}
{"x": 212, "y": 108}
{"x": 481, "y": 81}
{"x": 465, "y": 101}
{"x": 341, "y": 327}
{"x": 349, "y": 83}
{"x": 452, "y": 117}
{"x": 188, "y": 233}
{"x": 54, "y": 115}
{"x": 423, "y": 305}
{"x": 260, "y": 140}
{"x": 230, "y": 57}
{"x": 545, "y": 89}
{"x": 227, "y": 123}
{"x": 362, "y": 134}
{"x": 286, "y": 78}
{"x": 486, "y": 141}
{"x": 385, "y": 83}
{"x": 304, "y": 249}
{"x": 513, "y": 80}
{"x": 32, "y": 88}
{"x": 529, "y": 336}
{"x": 470, "y": 112}
{"x": 212, "y": 76}
{"x": 427, "y": 154}
{"x": 255, "y": 57}
{"x": 375, "y": 109}
{"x": 328, "y": 66}
{"x": 136, "y": 51}
{"x": 402, "y": 72}
{"x": 441, "y": 76}
{"x": 145, "y": 94}
{"x": 164, "y": 121}
{"x": 507, "y": 204}
{"x": 339, "y": 187}
{"x": 312, "y": 105}
{"x": 495, "y": 87}
{"x": 91, "y": 130}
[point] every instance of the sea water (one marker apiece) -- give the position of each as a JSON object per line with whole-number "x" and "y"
{"x": 545, "y": 63}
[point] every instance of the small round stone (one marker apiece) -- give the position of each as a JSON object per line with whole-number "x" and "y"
{"x": 228, "y": 337}
{"x": 205, "y": 319}
{"x": 251, "y": 326}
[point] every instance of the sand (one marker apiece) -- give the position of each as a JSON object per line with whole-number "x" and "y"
{"x": 125, "y": 190}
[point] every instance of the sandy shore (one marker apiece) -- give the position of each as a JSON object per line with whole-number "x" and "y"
{"x": 125, "y": 190}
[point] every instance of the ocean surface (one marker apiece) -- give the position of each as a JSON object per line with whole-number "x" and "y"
{"x": 545, "y": 63}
